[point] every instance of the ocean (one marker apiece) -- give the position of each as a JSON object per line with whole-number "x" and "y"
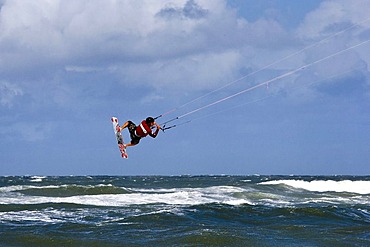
{"x": 185, "y": 211}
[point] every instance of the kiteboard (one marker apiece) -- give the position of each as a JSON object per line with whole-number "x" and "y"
{"x": 119, "y": 138}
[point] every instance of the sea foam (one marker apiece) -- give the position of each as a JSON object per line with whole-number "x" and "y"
{"x": 358, "y": 187}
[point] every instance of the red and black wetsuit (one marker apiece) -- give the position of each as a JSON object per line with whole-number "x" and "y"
{"x": 138, "y": 132}
{"x": 143, "y": 130}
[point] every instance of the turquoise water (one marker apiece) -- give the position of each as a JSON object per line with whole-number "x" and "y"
{"x": 185, "y": 211}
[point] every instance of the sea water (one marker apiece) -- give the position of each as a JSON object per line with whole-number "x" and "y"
{"x": 185, "y": 211}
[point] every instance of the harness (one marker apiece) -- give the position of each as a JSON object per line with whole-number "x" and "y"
{"x": 143, "y": 129}
{"x": 135, "y": 133}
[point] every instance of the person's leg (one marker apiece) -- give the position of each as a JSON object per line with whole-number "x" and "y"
{"x": 134, "y": 139}
{"x": 129, "y": 144}
{"x": 125, "y": 125}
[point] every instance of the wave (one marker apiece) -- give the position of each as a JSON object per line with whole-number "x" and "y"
{"x": 65, "y": 190}
{"x": 102, "y": 195}
{"x": 37, "y": 179}
{"x": 358, "y": 187}
{"x": 264, "y": 193}
{"x": 105, "y": 191}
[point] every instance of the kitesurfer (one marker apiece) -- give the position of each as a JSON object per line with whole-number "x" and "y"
{"x": 138, "y": 132}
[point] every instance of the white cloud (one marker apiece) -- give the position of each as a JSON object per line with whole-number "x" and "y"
{"x": 173, "y": 44}
{"x": 34, "y": 132}
{"x": 82, "y": 69}
{"x": 329, "y": 19}
{"x": 333, "y": 16}
{"x": 196, "y": 72}
{"x": 80, "y": 35}
{"x": 30, "y": 131}
{"x": 8, "y": 93}
{"x": 87, "y": 34}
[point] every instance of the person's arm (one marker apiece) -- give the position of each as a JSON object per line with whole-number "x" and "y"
{"x": 154, "y": 135}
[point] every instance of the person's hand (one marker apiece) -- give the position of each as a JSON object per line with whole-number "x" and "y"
{"x": 158, "y": 127}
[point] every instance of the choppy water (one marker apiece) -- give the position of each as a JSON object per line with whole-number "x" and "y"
{"x": 185, "y": 211}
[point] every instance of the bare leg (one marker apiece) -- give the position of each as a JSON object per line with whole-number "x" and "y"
{"x": 124, "y": 125}
{"x": 129, "y": 145}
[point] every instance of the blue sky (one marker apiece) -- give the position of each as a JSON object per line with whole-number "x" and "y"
{"x": 66, "y": 67}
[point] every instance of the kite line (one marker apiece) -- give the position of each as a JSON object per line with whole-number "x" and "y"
{"x": 265, "y": 83}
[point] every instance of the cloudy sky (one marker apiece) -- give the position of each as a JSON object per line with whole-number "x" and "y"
{"x": 67, "y": 67}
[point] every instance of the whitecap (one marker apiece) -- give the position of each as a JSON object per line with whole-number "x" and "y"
{"x": 174, "y": 196}
{"x": 37, "y": 179}
{"x": 358, "y": 187}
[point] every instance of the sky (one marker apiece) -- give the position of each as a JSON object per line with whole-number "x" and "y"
{"x": 258, "y": 87}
